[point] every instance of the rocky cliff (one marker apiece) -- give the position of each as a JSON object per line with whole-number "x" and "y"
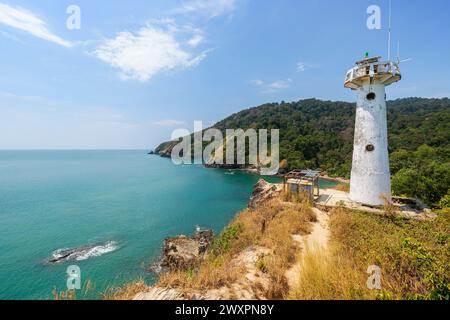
{"x": 262, "y": 192}
{"x": 251, "y": 258}
{"x": 182, "y": 252}
{"x": 165, "y": 149}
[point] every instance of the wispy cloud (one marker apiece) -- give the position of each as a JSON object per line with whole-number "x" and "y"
{"x": 27, "y": 98}
{"x": 162, "y": 45}
{"x": 10, "y": 36}
{"x": 272, "y": 87}
{"x": 303, "y": 66}
{"x": 209, "y": 8}
{"x": 27, "y": 21}
{"x": 280, "y": 84}
{"x": 257, "y": 82}
{"x": 195, "y": 40}
{"x": 154, "y": 48}
{"x": 169, "y": 123}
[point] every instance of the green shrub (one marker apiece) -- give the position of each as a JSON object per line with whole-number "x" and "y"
{"x": 222, "y": 243}
{"x": 445, "y": 201}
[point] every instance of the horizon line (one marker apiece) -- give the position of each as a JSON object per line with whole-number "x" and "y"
{"x": 75, "y": 149}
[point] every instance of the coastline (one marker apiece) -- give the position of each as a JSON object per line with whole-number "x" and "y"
{"x": 261, "y": 255}
{"x": 179, "y": 252}
{"x": 249, "y": 170}
{"x": 122, "y": 184}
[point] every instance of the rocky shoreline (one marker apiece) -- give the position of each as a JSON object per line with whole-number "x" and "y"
{"x": 164, "y": 150}
{"x": 183, "y": 252}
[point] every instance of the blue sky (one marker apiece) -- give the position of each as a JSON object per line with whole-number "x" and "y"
{"x": 138, "y": 69}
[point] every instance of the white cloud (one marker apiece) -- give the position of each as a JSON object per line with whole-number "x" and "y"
{"x": 195, "y": 40}
{"x": 280, "y": 84}
{"x": 169, "y": 123}
{"x": 257, "y": 82}
{"x": 303, "y": 66}
{"x": 153, "y": 49}
{"x": 210, "y": 8}
{"x": 27, "y": 98}
{"x": 162, "y": 45}
{"x": 272, "y": 86}
{"x": 27, "y": 21}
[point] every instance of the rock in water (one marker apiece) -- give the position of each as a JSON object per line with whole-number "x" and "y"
{"x": 82, "y": 253}
{"x": 262, "y": 191}
{"x": 181, "y": 253}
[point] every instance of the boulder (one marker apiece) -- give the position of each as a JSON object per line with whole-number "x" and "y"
{"x": 263, "y": 191}
{"x": 182, "y": 252}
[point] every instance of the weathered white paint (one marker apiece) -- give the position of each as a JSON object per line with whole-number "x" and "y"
{"x": 370, "y": 178}
{"x": 370, "y": 182}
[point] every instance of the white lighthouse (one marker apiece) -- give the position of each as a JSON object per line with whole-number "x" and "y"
{"x": 370, "y": 182}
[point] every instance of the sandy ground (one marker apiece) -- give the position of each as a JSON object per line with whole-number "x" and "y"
{"x": 317, "y": 239}
{"x": 331, "y": 198}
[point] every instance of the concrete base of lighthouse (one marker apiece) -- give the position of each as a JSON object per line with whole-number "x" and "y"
{"x": 370, "y": 182}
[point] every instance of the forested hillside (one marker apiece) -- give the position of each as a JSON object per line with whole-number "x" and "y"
{"x": 319, "y": 134}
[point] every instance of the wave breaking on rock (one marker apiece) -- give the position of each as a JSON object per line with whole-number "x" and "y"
{"x": 82, "y": 253}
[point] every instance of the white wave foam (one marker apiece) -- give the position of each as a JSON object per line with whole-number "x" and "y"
{"x": 97, "y": 251}
{"x": 83, "y": 253}
{"x": 57, "y": 254}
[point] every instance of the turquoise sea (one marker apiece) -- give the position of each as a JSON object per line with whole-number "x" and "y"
{"x": 126, "y": 202}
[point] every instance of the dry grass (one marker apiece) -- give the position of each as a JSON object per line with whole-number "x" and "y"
{"x": 343, "y": 187}
{"x": 213, "y": 272}
{"x": 413, "y": 257}
{"x": 127, "y": 292}
{"x": 390, "y": 210}
{"x": 87, "y": 292}
{"x": 325, "y": 276}
{"x": 270, "y": 226}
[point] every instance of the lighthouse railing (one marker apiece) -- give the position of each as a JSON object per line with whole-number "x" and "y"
{"x": 371, "y": 69}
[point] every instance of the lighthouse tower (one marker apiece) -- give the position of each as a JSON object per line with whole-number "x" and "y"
{"x": 370, "y": 182}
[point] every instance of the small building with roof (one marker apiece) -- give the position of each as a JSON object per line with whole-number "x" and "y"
{"x": 303, "y": 181}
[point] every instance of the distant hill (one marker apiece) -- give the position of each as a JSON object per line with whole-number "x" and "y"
{"x": 319, "y": 134}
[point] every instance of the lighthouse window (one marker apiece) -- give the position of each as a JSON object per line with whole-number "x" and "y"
{"x": 370, "y": 148}
{"x": 370, "y": 96}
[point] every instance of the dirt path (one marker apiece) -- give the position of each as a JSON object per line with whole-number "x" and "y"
{"x": 255, "y": 282}
{"x": 317, "y": 239}
{"x": 320, "y": 234}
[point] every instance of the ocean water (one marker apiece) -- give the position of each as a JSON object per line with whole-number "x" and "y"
{"x": 118, "y": 205}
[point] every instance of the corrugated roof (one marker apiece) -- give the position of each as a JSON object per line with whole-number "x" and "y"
{"x": 310, "y": 173}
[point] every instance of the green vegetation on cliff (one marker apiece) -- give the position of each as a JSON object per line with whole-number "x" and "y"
{"x": 319, "y": 134}
{"x": 283, "y": 248}
{"x": 412, "y": 255}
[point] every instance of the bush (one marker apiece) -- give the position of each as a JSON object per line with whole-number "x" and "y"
{"x": 222, "y": 243}
{"x": 445, "y": 201}
{"x": 413, "y": 255}
{"x": 425, "y": 174}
